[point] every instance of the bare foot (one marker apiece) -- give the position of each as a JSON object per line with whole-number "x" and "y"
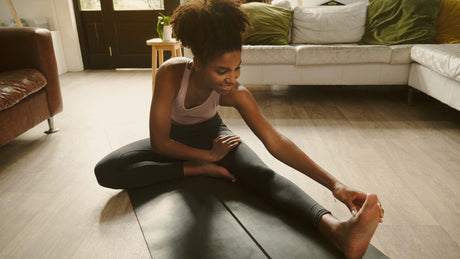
{"x": 207, "y": 169}
{"x": 355, "y": 234}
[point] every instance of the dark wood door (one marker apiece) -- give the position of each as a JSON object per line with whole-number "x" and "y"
{"x": 112, "y": 36}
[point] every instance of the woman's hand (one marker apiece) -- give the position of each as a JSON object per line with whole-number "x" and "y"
{"x": 352, "y": 198}
{"x": 222, "y": 145}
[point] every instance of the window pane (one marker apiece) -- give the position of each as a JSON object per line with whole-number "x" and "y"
{"x": 138, "y": 4}
{"x": 87, "y": 5}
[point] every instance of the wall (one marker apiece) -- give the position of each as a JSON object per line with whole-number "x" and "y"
{"x": 65, "y": 18}
{"x": 61, "y": 18}
{"x": 28, "y": 10}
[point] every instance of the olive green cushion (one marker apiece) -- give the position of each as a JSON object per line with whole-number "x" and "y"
{"x": 270, "y": 24}
{"x": 392, "y": 22}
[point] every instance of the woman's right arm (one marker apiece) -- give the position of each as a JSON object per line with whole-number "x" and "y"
{"x": 166, "y": 83}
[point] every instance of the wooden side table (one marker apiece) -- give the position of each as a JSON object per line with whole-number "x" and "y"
{"x": 159, "y": 45}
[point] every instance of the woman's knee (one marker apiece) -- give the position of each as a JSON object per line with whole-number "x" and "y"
{"x": 107, "y": 173}
{"x": 109, "y": 170}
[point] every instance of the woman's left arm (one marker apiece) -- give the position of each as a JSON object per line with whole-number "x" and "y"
{"x": 287, "y": 152}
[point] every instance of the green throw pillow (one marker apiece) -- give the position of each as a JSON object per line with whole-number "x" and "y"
{"x": 401, "y": 22}
{"x": 270, "y": 24}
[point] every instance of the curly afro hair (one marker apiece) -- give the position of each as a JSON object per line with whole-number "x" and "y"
{"x": 210, "y": 28}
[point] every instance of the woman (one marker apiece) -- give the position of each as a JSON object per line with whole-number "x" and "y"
{"x": 188, "y": 138}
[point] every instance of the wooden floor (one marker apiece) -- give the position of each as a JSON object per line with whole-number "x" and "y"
{"x": 52, "y": 207}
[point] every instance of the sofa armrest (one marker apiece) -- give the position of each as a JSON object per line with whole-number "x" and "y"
{"x": 32, "y": 48}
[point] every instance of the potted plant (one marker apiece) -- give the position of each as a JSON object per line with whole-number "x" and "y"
{"x": 164, "y": 27}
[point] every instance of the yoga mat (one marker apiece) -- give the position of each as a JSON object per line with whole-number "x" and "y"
{"x": 202, "y": 217}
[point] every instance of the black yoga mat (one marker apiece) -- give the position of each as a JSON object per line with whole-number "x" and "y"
{"x": 211, "y": 218}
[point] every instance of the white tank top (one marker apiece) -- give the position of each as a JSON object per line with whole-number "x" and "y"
{"x": 197, "y": 114}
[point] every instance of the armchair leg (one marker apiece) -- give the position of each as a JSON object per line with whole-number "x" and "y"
{"x": 51, "y": 129}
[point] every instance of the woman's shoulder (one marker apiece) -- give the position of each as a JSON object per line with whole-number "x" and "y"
{"x": 174, "y": 64}
{"x": 169, "y": 75}
{"x": 173, "y": 68}
{"x": 239, "y": 95}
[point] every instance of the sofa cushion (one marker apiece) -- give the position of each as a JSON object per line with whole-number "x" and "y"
{"x": 282, "y": 3}
{"x": 448, "y": 26}
{"x": 401, "y": 22}
{"x": 269, "y": 24}
{"x": 266, "y": 54}
{"x": 443, "y": 59}
{"x": 400, "y": 54}
{"x": 342, "y": 54}
{"x": 330, "y": 24}
{"x": 16, "y": 85}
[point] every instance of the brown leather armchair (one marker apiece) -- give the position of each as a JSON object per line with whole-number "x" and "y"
{"x": 29, "y": 81}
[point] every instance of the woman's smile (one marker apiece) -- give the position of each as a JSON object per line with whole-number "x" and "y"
{"x": 225, "y": 89}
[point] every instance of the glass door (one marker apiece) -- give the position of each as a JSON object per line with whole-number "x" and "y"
{"x": 113, "y": 32}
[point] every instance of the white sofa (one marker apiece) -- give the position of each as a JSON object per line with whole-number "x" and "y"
{"x": 332, "y": 64}
{"x": 433, "y": 69}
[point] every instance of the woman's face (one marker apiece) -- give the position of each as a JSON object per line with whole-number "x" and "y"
{"x": 221, "y": 73}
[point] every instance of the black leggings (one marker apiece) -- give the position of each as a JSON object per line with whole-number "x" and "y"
{"x": 136, "y": 165}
